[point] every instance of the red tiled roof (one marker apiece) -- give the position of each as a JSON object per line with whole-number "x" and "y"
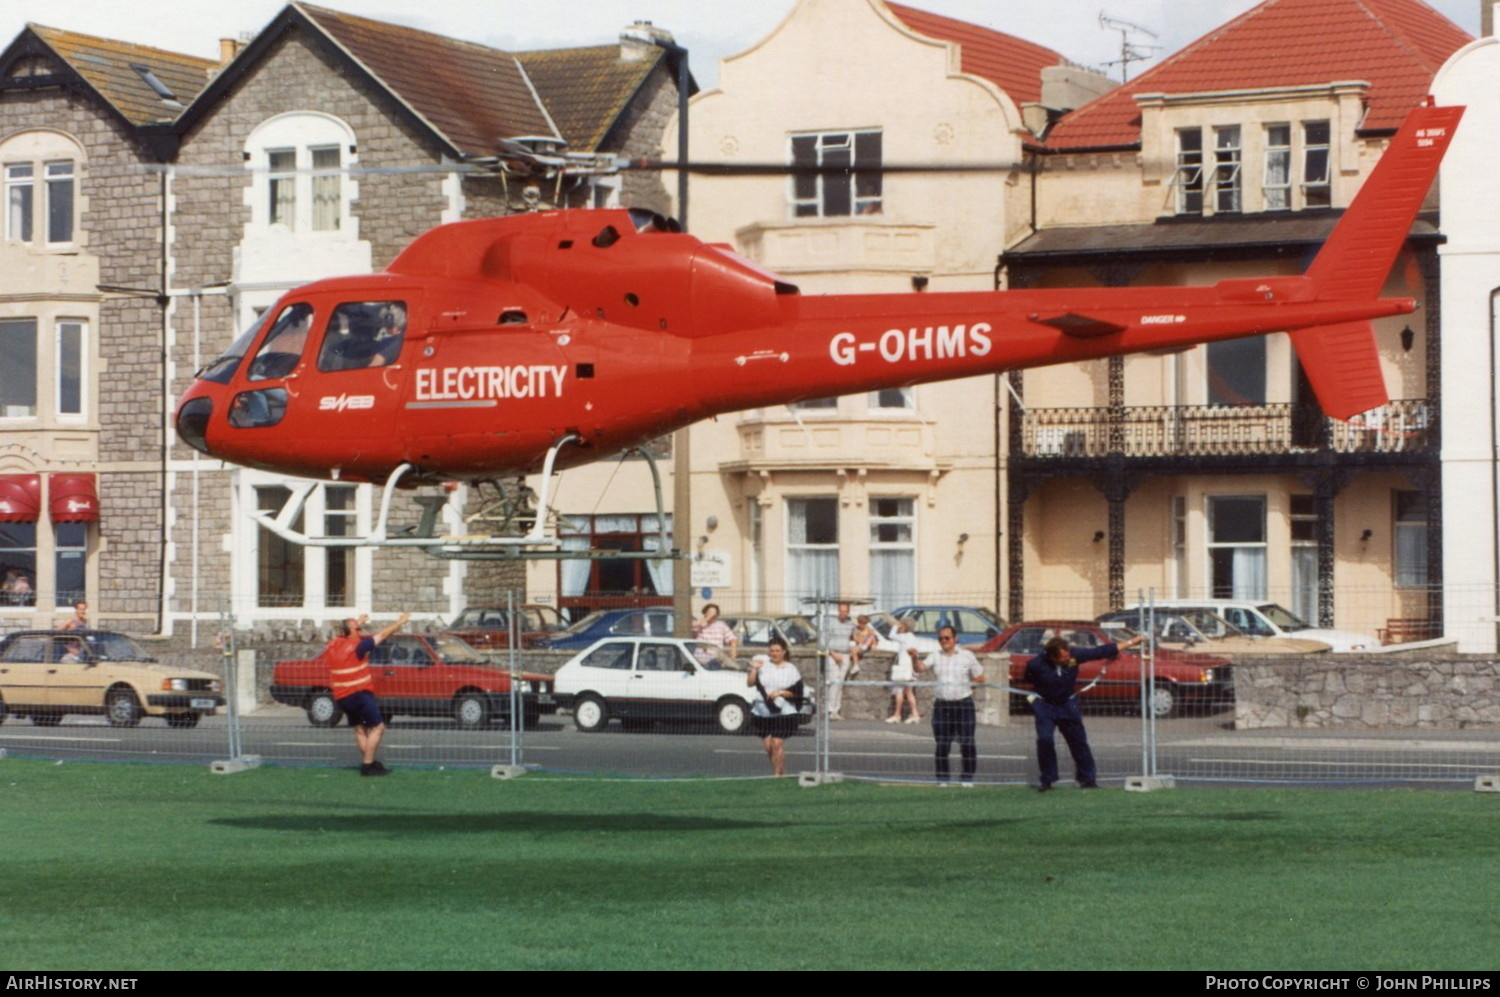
{"x": 1395, "y": 45}
{"x": 1010, "y": 63}
{"x": 472, "y": 95}
{"x": 107, "y": 66}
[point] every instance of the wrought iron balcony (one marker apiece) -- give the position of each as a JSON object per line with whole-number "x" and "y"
{"x": 1229, "y": 431}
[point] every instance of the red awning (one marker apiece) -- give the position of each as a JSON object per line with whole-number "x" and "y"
{"x": 20, "y": 498}
{"x": 72, "y": 498}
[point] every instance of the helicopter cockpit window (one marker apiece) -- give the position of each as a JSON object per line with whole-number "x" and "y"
{"x": 258, "y": 409}
{"x": 650, "y": 221}
{"x": 221, "y": 371}
{"x": 282, "y": 350}
{"x": 363, "y": 334}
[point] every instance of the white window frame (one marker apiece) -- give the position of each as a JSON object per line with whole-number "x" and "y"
{"x": 281, "y": 174}
{"x": 908, "y": 400}
{"x": 1179, "y": 539}
{"x": 814, "y": 203}
{"x": 83, "y": 370}
{"x": 1228, "y": 156}
{"x": 20, "y": 191}
{"x": 301, "y": 135}
{"x": 317, "y": 176}
{"x": 1409, "y": 541}
{"x": 36, "y": 164}
{"x": 1211, "y": 350}
{"x": 794, "y": 590}
{"x": 56, "y": 172}
{"x": 1305, "y": 580}
{"x": 1211, "y": 545}
{"x": 36, "y": 363}
{"x": 246, "y": 549}
{"x": 908, "y": 547}
{"x": 825, "y": 406}
{"x": 1317, "y": 193}
{"x": 1188, "y": 178}
{"x": 1276, "y": 181}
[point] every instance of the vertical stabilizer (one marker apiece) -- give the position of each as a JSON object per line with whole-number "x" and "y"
{"x": 1341, "y": 361}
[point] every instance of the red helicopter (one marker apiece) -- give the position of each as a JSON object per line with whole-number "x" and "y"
{"x": 533, "y": 342}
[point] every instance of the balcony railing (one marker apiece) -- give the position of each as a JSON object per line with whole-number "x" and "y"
{"x": 1212, "y": 430}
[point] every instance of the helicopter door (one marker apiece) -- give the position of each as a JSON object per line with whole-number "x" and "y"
{"x": 495, "y": 395}
{"x": 360, "y": 369}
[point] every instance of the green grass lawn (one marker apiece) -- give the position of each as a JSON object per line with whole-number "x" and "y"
{"x": 120, "y": 866}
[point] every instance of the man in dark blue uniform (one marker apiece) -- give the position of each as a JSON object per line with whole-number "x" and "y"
{"x": 1053, "y": 677}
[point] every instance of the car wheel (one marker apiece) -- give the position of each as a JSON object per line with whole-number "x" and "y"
{"x": 471, "y": 711}
{"x": 590, "y": 714}
{"x": 734, "y": 715}
{"x": 1163, "y": 700}
{"x": 531, "y": 719}
{"x": 2, "y": 711}
{"x": 122, "y": 708}
{"x": 182, "y": 721}
{"x": 46, "y": 719}
{"x": 322, "y": 710}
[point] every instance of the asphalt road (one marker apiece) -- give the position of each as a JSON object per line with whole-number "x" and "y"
{"x": 1195, "y": 749}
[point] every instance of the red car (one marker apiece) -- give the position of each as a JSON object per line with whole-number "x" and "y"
{"x": 1181, "y": 678}
{"x": 427, "y": 675}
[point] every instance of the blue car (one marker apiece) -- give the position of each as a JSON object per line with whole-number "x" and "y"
{"x": 751, "y": 632}
{"x": 611, "y": 623}
{"x": 973, "y": 624}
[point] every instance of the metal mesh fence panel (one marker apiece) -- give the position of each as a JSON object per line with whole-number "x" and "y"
{"x": 1427, "y": 716}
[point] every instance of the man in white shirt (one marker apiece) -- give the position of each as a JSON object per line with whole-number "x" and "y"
{"x": 953, "y": 719}
{"x": 836, "y": 634}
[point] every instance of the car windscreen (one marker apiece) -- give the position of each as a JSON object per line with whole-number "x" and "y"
{"x": 1283, "y": 618}
{"x": 1211, "y": 624}
{"x": 799, "y": 630}
{"x": 457, "y": 652}
{"x": 711, "y": 657}
{"x": 587, "y": 623}
{"x": 540, "y": 620}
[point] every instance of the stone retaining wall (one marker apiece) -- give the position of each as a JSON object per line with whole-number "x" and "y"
{"x": 1341, "y": 691}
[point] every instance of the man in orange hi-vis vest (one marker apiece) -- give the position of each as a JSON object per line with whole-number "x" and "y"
{"x": 354, "y": 689}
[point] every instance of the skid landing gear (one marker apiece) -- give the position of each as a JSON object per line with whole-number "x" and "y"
{"x": 513, "y": 525}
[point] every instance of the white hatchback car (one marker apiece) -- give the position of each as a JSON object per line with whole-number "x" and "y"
{"x": 1268, "y": 619}
{"x": 642, "y": 680}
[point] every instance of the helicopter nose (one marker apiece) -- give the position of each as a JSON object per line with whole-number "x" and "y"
{"x": 192, "y": 423}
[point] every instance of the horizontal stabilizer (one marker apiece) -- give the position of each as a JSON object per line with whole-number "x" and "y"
{"x": 1343, "y": 366}
{"x": 1082, "y": 326}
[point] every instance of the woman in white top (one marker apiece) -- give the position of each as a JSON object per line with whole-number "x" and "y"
{"x": 776, "y": 715}
{"x": 900, "y": 688}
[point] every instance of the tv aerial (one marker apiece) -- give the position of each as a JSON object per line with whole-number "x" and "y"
{"x": 1130, "y": 49}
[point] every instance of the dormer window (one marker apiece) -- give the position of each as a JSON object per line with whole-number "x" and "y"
{"x": 1293, "y": 168}
{"x": 1277, "y": 188}
{"x": 1317, "y": 191}
{"x": 1226, "y": 169}
{"x": 1189, "y": 179}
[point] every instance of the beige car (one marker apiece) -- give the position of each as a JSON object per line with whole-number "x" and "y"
{"x": 48, "y": 674}
{"x": 1203, "y": 632}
